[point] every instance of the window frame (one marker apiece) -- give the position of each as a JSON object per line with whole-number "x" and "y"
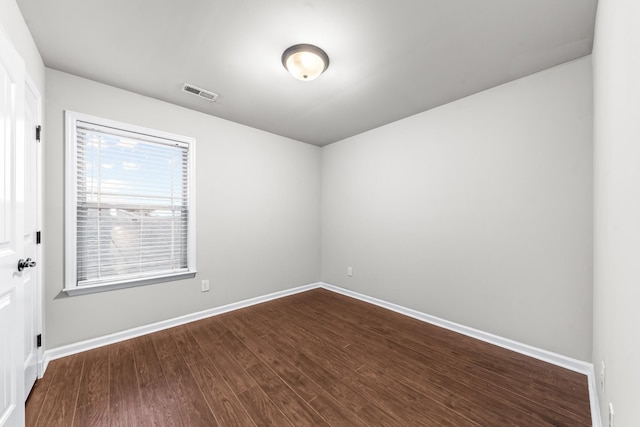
{"x": 71, "y": 286}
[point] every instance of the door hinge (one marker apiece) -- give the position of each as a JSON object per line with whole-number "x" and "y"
{"x": 39, "y": 340}
{"x": 38, "y": 131}
{"x": 38, "y": 237}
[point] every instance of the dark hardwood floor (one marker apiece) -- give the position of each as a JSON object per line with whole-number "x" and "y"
{"x": 311, "y": 359}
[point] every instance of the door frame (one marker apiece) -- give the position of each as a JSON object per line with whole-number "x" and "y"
{"x": 39, "y": 276}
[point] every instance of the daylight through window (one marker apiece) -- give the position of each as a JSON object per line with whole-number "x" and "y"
{"x": 132, "y": 204}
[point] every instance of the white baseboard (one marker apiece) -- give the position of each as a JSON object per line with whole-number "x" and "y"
{"x": 596, "y": 421}
{"x": 537, "y": 353}
{"x": 68, "y": 350}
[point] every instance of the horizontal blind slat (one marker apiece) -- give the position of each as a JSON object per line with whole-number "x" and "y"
{"x": 132, "y": 214}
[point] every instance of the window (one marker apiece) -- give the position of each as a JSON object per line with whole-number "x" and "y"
{"x": 130, "y": 203}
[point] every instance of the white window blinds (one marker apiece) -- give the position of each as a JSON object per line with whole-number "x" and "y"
{"x": 132, "y": 210}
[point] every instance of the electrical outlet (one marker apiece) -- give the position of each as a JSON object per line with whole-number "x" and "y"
{"x": 205, "y": 286}
{"x": 349, "y": 271}
{"x": 602, "y": 370}
{"x": 610, "y": 414}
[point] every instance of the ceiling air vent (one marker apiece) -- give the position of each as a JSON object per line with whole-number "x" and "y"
{"x": 201, "y": 93}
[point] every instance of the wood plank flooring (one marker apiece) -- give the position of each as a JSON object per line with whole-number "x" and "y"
{"x": 312, "y": 359}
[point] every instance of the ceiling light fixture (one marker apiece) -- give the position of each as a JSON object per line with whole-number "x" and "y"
{"x": 305, "y": 61}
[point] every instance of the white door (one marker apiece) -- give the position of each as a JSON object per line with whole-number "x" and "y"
{"x": 11, "y": 235}
{"x": 30, "y": 276}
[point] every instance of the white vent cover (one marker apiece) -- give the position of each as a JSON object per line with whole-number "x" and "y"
{"x": 200, "y": 93}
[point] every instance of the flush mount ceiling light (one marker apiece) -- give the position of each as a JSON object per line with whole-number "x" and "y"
{"x": 305, "y": 61}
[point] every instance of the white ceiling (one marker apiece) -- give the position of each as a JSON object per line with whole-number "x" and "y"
{"x": 389, "y": 59}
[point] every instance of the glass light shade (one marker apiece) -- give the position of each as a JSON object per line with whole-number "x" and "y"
{"x": 305, "y": 62}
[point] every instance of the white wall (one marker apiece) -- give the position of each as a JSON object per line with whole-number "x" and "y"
{"x": 616, "y": 67}
{"x": 257, "y": 214}
{"x": 13, "y": 25}
{"x": 478, "y": 212}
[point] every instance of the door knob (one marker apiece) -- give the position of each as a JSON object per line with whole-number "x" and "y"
{"x": 22, "y": 264}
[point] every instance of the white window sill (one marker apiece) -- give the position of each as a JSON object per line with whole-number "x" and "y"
{"x": 103, "y": 287}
